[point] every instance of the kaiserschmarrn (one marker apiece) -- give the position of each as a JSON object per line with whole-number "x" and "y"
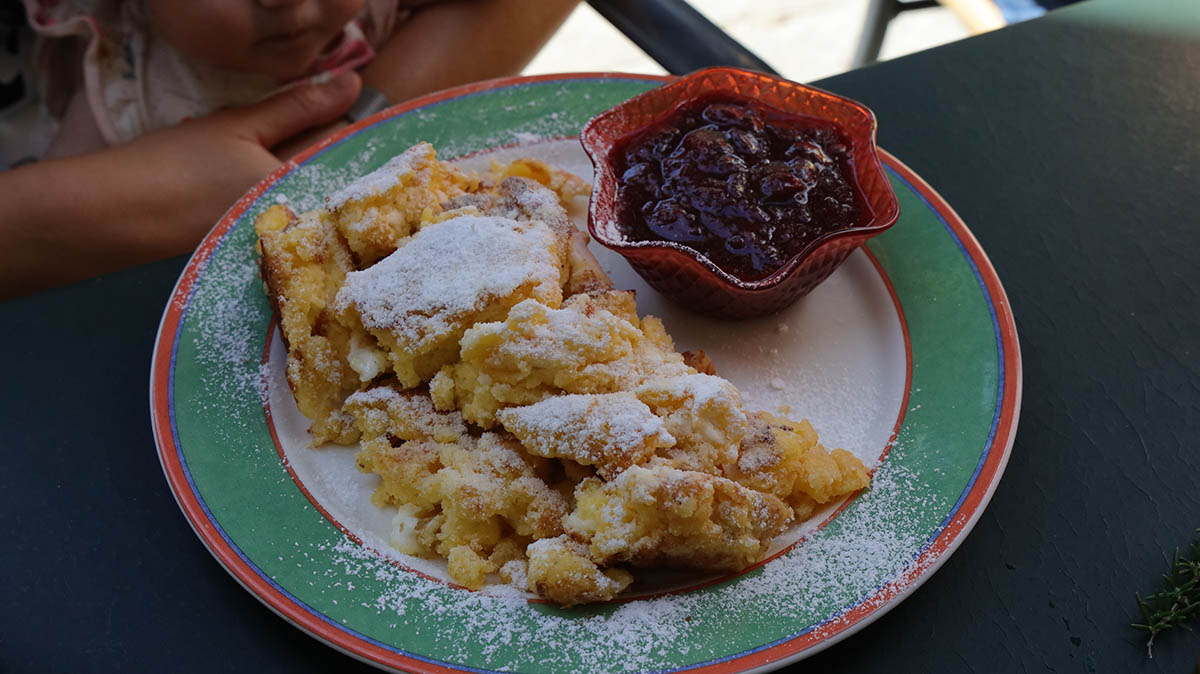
{"x": 526, "y": 425}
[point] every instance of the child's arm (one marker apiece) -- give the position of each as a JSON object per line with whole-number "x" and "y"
{"x": 459, "y": 41}
{"x": 67, "y": 219}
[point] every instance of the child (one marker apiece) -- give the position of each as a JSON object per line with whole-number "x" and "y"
{"x": 122, "y": 77}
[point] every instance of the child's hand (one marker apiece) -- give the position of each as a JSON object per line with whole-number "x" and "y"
{"x": 294, "y": 145}
{"x": 152, "y": 198}
{"x": 215, "y": 159}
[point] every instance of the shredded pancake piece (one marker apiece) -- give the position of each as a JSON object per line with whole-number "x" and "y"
{"x": 377, "y": 211}
{"x": 594, "y": 343}
{"x": 610, "y": 431}
{"x": 561, "y": 570}
{"x": 408, "y": 414}
{"x": 782, "y": 457}
{"x": 474, "y": 494}
{"x": 663, "y": 516}
{"x": 703, "y": 413}
{"x": 418, "y": 301}
{"x": 303, "y": 264}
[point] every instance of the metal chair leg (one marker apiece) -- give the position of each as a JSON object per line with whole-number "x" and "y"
{"x": 879, "y": 14}
{"x": 676, "y": 35}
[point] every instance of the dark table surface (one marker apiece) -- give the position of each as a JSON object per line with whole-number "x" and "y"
{"x": 1069, "y": 146}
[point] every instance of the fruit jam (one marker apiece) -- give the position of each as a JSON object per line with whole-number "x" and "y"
{"x": 746, "y": 185}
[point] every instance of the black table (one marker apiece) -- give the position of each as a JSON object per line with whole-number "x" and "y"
{"x": 1067, "y": 144}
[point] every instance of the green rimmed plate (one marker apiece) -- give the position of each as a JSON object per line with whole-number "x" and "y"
{"x": 907, "y": 356}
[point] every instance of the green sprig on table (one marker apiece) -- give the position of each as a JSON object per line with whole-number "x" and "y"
{"x": 1178, "y": 601}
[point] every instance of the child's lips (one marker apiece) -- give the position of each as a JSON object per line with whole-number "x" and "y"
{"x": 291, "y": 38}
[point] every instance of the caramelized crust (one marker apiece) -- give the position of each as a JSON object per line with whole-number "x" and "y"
{"x": 303, "y": 264}
{"x": 561, "y": 570}
{"x": 407, "y": 414}
{"x": 782, "y": 457}
{"x": 699, "y": 361}
{"x": 566, "y": 185}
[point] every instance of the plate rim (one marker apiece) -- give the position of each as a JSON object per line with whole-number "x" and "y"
{"x": 938, "y": 548}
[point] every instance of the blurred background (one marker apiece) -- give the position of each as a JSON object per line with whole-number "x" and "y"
{"x": 802, "y": 39}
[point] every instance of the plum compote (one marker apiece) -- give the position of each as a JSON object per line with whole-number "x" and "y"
{"x": 746, "y": 185}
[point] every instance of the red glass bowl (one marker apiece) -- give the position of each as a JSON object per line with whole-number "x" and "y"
{"x": 686, "y": 275}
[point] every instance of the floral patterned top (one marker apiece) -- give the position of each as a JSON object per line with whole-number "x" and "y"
{"x": 135, "y": 82}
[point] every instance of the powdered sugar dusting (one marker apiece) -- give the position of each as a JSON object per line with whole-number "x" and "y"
{"x": 381, "y": 179}
{"x": 306, "y": 187}
{"x": 590, "y": 429}
{"x": 224, "y": 336}
{"x": 702, "y": 390}
{"x": 447, "y": 271}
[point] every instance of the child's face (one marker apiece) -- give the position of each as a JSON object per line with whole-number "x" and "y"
{"x": 281, "y": 38}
